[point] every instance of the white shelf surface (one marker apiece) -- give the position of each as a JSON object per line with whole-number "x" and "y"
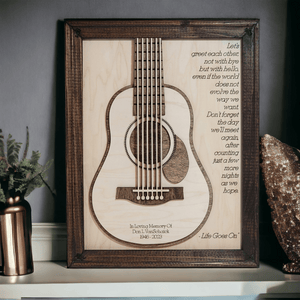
{"x": 54, "y": 279}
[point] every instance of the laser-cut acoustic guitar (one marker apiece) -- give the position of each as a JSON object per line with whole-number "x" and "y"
{"x": 150, "y": 176}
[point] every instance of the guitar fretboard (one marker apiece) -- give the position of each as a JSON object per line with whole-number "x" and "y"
{"x": 148, "y": 77}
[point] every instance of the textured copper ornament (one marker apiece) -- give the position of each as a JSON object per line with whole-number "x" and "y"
{"x": 15, "y": 236}
{"x": 281, "y": 174}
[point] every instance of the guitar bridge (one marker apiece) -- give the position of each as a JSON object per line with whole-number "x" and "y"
{"x": 149, "y": 196}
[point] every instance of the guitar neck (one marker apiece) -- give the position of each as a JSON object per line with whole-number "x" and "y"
{"x": 148, "y": 77}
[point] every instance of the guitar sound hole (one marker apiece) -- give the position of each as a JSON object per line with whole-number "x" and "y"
{"x": 149, "y": 143}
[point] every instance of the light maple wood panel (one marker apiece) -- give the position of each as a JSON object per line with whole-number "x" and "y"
{"x": 107, "y": 68}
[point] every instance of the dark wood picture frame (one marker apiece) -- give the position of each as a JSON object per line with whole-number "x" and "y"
{"x": 245, "y": 30}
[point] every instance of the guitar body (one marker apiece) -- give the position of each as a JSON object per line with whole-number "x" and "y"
{"x": 138, "y": 224}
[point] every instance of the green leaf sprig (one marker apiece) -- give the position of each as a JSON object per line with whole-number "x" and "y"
{"x": 20, "y": 176}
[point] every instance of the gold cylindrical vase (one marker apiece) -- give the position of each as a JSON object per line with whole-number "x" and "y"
{"x": 16, "y": 228}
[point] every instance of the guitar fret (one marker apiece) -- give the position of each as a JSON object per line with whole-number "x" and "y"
{"x": 149, "y": 63}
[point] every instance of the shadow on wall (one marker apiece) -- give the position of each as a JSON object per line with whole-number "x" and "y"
{"x": 291, "y": 98}
{"x": 269, "y": 247}
{"x": 59, "y": 156}
{"x": 270, "y": 250}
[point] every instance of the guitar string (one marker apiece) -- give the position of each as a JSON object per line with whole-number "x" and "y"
{"x": 147, "y": 125}
{"x": 151, "y": 120}
{"x": 137, "y": 118}
{"x": 160, "y": 116}
{"x": 156, "y": 124}
{"x": 142, "y": 120}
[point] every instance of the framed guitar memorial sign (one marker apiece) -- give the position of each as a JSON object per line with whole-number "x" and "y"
{"x": 162, "y": 143}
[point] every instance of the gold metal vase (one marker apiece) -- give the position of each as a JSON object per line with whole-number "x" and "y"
{"x": 15, "y": 236}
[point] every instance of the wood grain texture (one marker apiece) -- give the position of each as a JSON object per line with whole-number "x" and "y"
{"x": 116, "y": 218}
{"x": 247, "y": 32}
{"x": 74, "y": 172}
{"x": 177, "y": 167}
